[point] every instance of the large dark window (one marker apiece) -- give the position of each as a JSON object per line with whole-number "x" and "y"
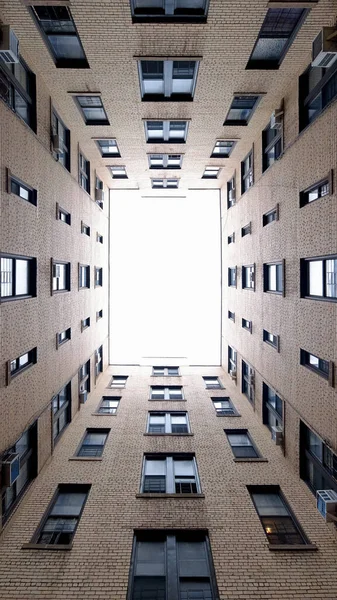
{"x": 317, "y": 89}
{"x": 248, "y": 381}
{"x": 19, "y": 467}
{"x": 161, "y": 132}
{"x": 241, "y": 110}
{"x": 180, "y": 11}
{"x": 18, "y": 277}
{"x": 319, "y": 278}
{"x": 272, "y": 146}
{"x": 273, "y": 277}
{"x": 18, "y": 90}
{"x": 170, "y": 474}
{"x": 167, "y": 79}
{"x": 60, "y": 140}
{"x": 278, "y": 522}
{"x": 61, "y": 406}
{"x": 318, "y": 463}
{"x": 247, "y": 172}
{"x": 172, "y": 564}
{"x": 272, "y": 408}
{"x": 60, "y": 34}
{"x": 278, "y": 31}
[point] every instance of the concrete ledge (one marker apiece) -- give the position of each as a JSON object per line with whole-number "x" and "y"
{"x": 297, "y": 547}
{"x": 153, "y": 496}
{"x": 249, "y": 460}
{"x": 47, "y": 547}
{"x": 90, "y": 458}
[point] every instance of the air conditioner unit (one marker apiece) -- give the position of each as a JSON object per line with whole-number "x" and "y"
{"x": 57, "y": 146}
{"x": 327, "y": 504}
{"x": 232, "y": 374}
{"x": 276, "y": 119}
{"x": 56, "y": 271}
{"x": 10, "y": 469}
{"x": 9, "y": 45}
{"x": 99, "y": 195}
{"x": 277, "y": 435}
{"x": 324, "y": 48}
{"x": 231, "y": 194}
{"x": 83, "y": 397}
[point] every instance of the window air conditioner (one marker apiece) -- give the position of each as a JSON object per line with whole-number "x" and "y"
{"x": 327, "y": 504}
{"x": 99, "y": 195}
{"x": 56, "y": 271}
{"x": 277, "y": 435}
{"x": 83, "y": 396}
{"x": 9, "y": 45}
{"x": 231, "y": 194}
{"x": 232, "y": 374}
{"x": 10, "y": 469}
{"x": 324, "y": 48}
{"x": 276, "y": 119}
{"x": 57, "y": 146}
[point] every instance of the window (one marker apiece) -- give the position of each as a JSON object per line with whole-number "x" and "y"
{"x": 169, "y": 392}
{"x": 231, "y": 193}
{"x": 167, "y": 79}
{"x": 232, "y": 276}
{"x": 166, "y": 422}
{"x": 108, "y": 405}
{"x": 316, "y": 191}
{"x": 118, "y": 381}
{"x": 223, "y": 148}
{"x": 60, "y": 35}
{"x": 211, "y": 173}
{"x": 248, "y": 381}
{"x": 181, "y": 11}
{"x": 108, "y": 148}
{"x": 232, "y": 359}
{"x": 277, "y": 520}
{"x": 85, "y": 323}
{"x": 98, "y": 276}
{"x": 212, "y": 383}
{"x": 63, "y": 337}
{"x": 247, "y": 325}
{"x": 270, "y": 216}
{"x": 318, "y": 463}
{"x": 231, "y": 238}
{"x": 271, "y": 339}
{"x": 99, "y": 361}
{"x": 248, "y": 277}
{"x": 317, "y": 89}
{"x": 173, "y": 474}
{"x": 231, "y": 315}
{"x": 60, "y": 140}
{"x": 18, "y": 277}
{"x": 24, "y": 191}
{"x": 84, "y": 173}
{"x": 224, "y": 407}
{"x": 93, "y": 443}
{"x": 22, "y": 363}
{"x": 99, "y": 238}
{"x": 165, "y": 371}
{"x": 246, "y": 230}
{"x": 84, "y": 377}
{"x": 165, "y": 183}
{"x": 158, "y": 132}
{"x": 118, "y": 172}
{"x": 322, "y": 367}
{"x": 273, "y": 277}
{"x": 61, "y": 407}
{"x": 172, "y": 564}
{"x": 272, "y": 408}
{"x": 85, "y": 229}
{"x": 272, "y": 146}
{"x": 99, "y": 314}
{"x": 99, "y": 192}
{"x": 83, "y": 276}
{"x": 18, "y": 90}
{"x": 319, "y": 278}
{"x": 12, "y": 491}
{"x": 92, "y": 110}
{"x": 165, "y": 161}
{"x": 62, "y": 214}
{"x": 277, "y": 33}
{"x": 241, "y": 443}
{"x": 241, "y": 110}
{"x": 247, "y": 172}
{"x": 59, "y": 525}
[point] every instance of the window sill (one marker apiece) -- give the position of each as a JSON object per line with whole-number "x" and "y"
{"x": 59, "y": 292}
{"x": 98, "y": 414}
{"x": 305, "y": 547}
{"x": 47, "y": 546}
{"x": 257, "y": 459}
{"x": 234, "y": 415}
{"x": 153, "y": 496}
{"x": 169, "y": 434}
{"x": 11, "y": 298}
{"x": 320, "y": 298}
{"x": 166, "y": 376}
{"x": 166, "y": 400}
{"x": 89, "y": 458}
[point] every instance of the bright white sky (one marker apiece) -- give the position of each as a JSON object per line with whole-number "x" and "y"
{"x": 165, "y": 293}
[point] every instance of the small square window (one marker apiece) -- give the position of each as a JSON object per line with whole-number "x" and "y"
{"x": 63, "y": 337}
{"x": 231, "y": 238}
{"x": 83, "y": 276}
{"x": 98, "y": 276}
{"x": 246, "y": 230}
{"x": 85, "y": 323}
{"x": 212, "y": 383}
{"x": 99, "y": 238}
{"x": 164, "y": 183}
{"x": 247, "y": 325}
{"x": 231, "y": 276}
{"x": 271, "y": 339}
{"x": 60, "y": 272}
{"x": 241, "y": 110}
{"x": 211, "y": 173}
{"x": 248, "y": 277}
{"x": 273, "y": 277}
{"x": 224, "y": 407}
{"x": 63, "y": 215}
{"x": 85, "y": 229}
{"x": 108, "y": 148}
{"x": 270, "y": 216}
{"x": 93, "y": 443}
{"x": 223, "y": 148}
{"x": 118, "y": 381}
{"x": 118, "y": 172}
{"x": 99, "y": 314}
{"x": 231, "y": 316}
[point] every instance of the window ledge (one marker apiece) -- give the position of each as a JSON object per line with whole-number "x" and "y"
{"x": 153, "y": 496}
{"x": 97, "y": 414}
{"x": 90, "y": 458}
{"x": 47, "y": 546}
{"x": 251, "y": 459}
{"x": 235, "y": 415}
{"x": 169, "y": 434}
{"x": 306, "y": 547}
{"x": 166, "y": 400}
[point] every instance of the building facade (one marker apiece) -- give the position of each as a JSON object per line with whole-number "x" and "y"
{"x": 172, "y": 481}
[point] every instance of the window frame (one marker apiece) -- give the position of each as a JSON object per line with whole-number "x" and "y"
{"x": 211, "y": 386}
{"x": 273, "y": 144}
{"x": 247, "y": 325}
{"x": 168, "y": 422}
{"x": 85, "y": 324}
{"x": 98, "y": 361}
{"x": 223, "y": 154}
{"x": 61, "y": 211}
{"x": 165, "y": 158}
{"x": 164, "y": 17}
{"x": 268, "y": 409}
{"x": 232, "y": 360}
{"x": 85, "y": 229}
{"x": 14, "y": 85}
{"x": 165, "y": 181}
{"x": 247, "y": 176}
{"x": 325, "y": 181}
{"x": 242, "y": 122}
{"x": 306, "y": 97}
{"x": 84, "y": 377}
{"x": 166, "y": 139}
{"x": 275, "y": 344}
{"x": 305, "y": 278}
{"x": 91, "y": 122}
{"x": 98, "y": 274}
{"x": 66, "y": 140}
{"x": 66, "y": 409}
{"x": 248, "y": 381}
{"x": 222, "y": 412}
{"x": 99, "y": 314}
{"x": 266, "y": 216}
{"x": 59, "y": 341}
{"x": 248, "y": 276}
{"x": 243, "y": 431}
{"x": 327, "y": 373}
{"x": 81, "y": 447}
{"x": 110, "y": 386}
{"x": 231, "y": 316}
{"x": 312, "y": 466}
{"x": 231, "y": 238}
{"x": 108, "y": 154}
{"x": 231, "y": 187}
{"x": 86, "y": 278}
{"x": 170, "y": 484}
{"x": 232, "y": 277}
{"x": 84, "y": 173}
{"x": 113, "y": 410}
{"x": 246, "y": 229}
{"x": 168, "y": 79}
{"x": 166, "y": 371}
{"x": 31, "y": 277}
{"x": 167, "y": 389}
{"x": 12, "y": 179}
{"x": 266, "y": 283}
{"x": 209, "y": 169}
{"x": 123, "y": 174}
{"x": 32, "y": 357}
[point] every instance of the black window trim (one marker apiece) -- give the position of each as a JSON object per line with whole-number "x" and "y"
{"x": 59, "y": 211}
{"x": 100, "y": 149}
{"x": 170, "y": 413}
{"x": 305, "y": 279}
{"x": 166, "y": 373}
{"x": 32, "y": 192}
{"x": 306, "y": 454}
{"x": 266, "y": 277}
{"x": 244, "y": 274}
{"x": 32, "y": 360}
{"x": 244, "y": 431}
{"x": 67, "y": 166}
{"x": 243, "y": 122}
{"x": 304, "y": 355}
{"x": 234, "y": 413}
{"x": 231, "y": 316}
{"x": 85, "y": 324}
{"x": 167, "y": 128}
{"x": 265, "y": 215}
{"x": 157, "y": 17}
{"x": 246, "y": 174}
{"x": 32, "y": 261}
{"x": 29, "y": 98}
{"x": 87, "y": 268}
{"x": 220, "y": 154}
{"x": 267, "y": 407}
{"x": 67, "y": 339}
{"x": 246, "y": 229}
{"x": 105, "y": 398}
{"x": 267, "y": 147}
{"x": 231, "y": 186}
{"x": 230, "y": 269}
{"x": 246, "y": 380}
{"x": 165, "y": 165}
{"x": 164, "y": 456}
{"x": 267, "y": 341}
{"x": 65, "y": 408}
{"x": 91, "y": 122}
{"x": 181, "y": 97}
{"x": 304, "y": 99}
{"x": 86, "y": 173}
{"x": 167, "y": 393}
{"x": 88, "y": 430}
{"x": 328, "y": 180}
{"x": 249, "y": 327}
